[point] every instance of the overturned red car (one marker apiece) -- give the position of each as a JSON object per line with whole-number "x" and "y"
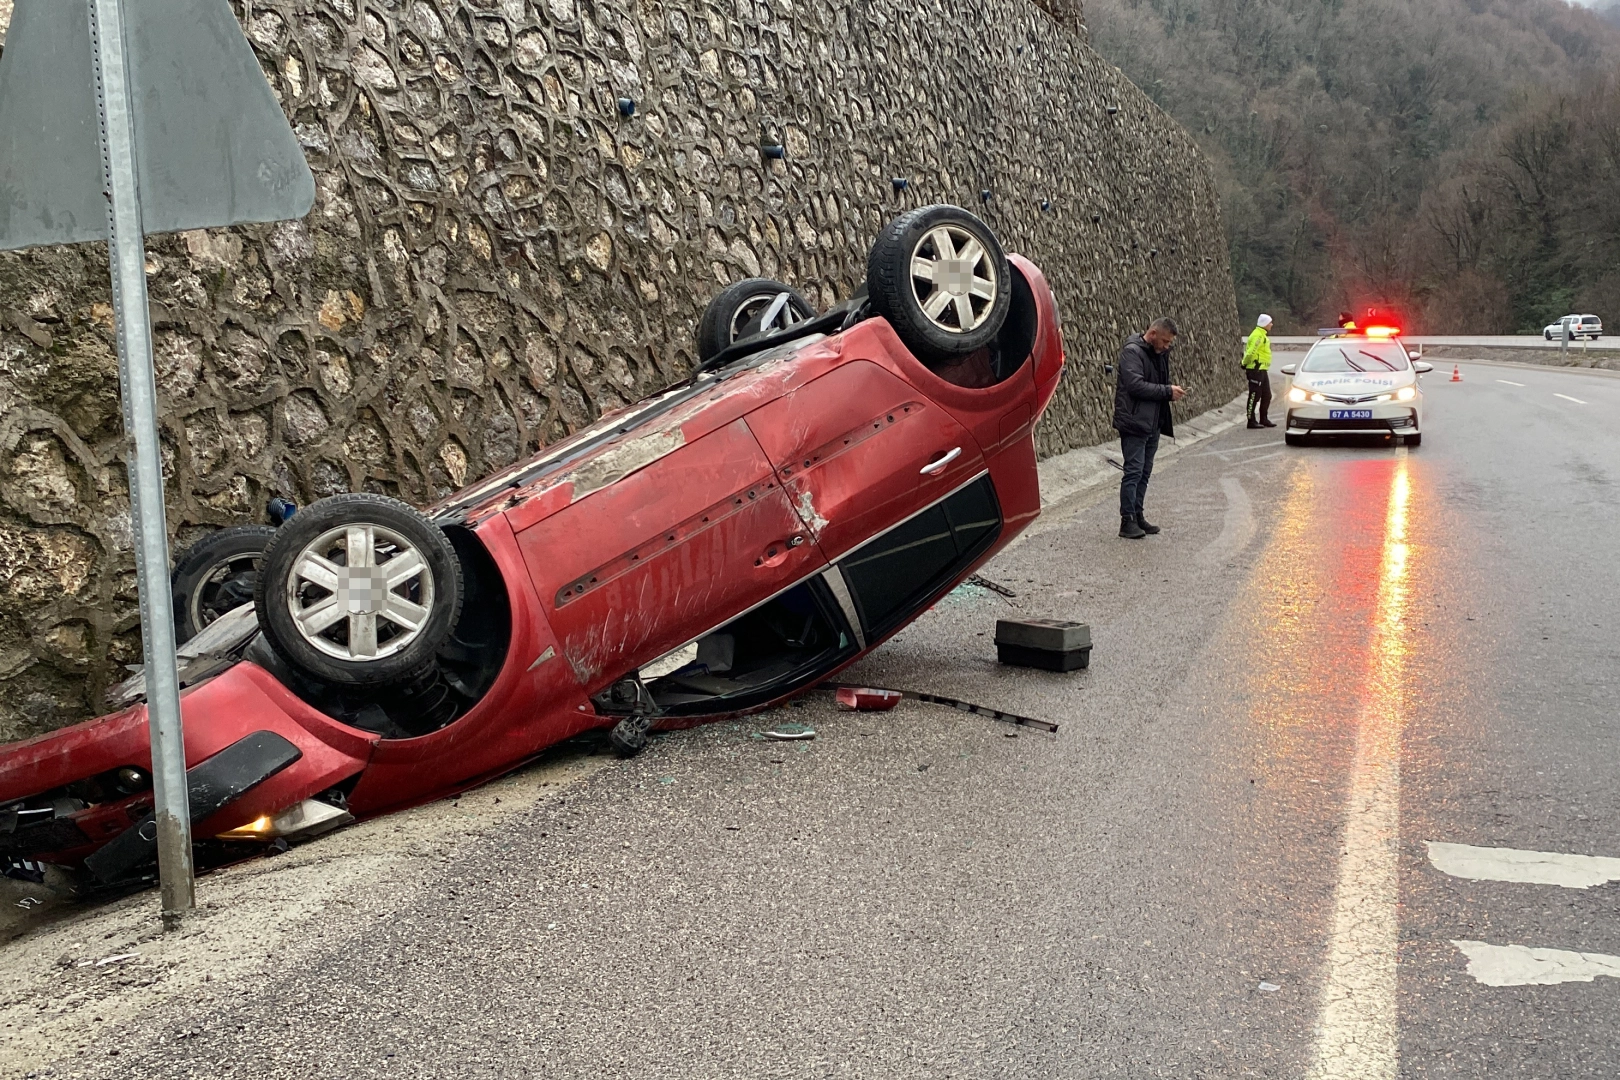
{"x": 732, "y": 541}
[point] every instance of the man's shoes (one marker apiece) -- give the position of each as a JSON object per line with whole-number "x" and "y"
{"x": 1146, "y": 526}
{"x": 1266, "y": 423}
{"x": 1130, "y": 527}
{"x": 1254, "y": 425}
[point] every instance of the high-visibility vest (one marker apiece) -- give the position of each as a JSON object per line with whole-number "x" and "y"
{"x": 1257, "y": 354}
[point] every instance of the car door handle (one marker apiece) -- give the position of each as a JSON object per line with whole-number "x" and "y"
{"x": 935, "y": 466}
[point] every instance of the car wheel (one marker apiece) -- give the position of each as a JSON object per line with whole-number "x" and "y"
{"x": 629, "y": 736}
{"x": 1415, "y": 440}
{"x": 359, "y": 590}
{"x": 215, "y": 575}
{"x": 940, "y": 278}
{"x": 748, "y": 308}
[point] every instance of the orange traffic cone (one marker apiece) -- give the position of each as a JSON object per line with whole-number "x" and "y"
{"x": 1456, "y": 373}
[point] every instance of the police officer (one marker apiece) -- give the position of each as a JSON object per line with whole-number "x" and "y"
{"x": 1257, "y": 368}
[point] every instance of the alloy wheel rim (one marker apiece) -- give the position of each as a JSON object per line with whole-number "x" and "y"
{"x": 953, "y": 279}
{"x": 761, "y": 304}
{"x": 204, "y": 600}
{"x": 360, "y": 592}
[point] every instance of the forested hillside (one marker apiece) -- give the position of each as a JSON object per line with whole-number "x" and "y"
{"x": 1458, "y": 159}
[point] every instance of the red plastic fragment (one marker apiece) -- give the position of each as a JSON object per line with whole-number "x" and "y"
{"x": 866, "y": 699}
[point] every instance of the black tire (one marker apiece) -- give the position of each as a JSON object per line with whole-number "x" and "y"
{"x": 1294, "y": 440}
{"x": 900, "y": 296}
{"x": 392, "y": 651}
{"x": 1546, "y": 335}
{"x": 735, "y": 314}
{"x": 1415, "y": 440}
{"x": 215, "y": 575}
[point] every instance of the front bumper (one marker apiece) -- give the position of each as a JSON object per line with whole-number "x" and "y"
{"x": 1387, "y": 419}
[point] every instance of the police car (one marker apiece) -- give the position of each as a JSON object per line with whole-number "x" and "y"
{"x": 1356, "y": 382}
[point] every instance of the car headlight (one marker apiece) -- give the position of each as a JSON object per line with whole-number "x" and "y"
{"x": 1296, "y": 394}
{"x": 1318, "y": 397}
{"x": 1385, "y": 397}
{"x": 1406, "y": 393}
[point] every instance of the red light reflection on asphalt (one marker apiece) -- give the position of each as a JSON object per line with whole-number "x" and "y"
{"x": 1326, "y": 618}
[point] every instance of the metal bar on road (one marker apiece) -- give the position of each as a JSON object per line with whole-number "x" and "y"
{"x": 127, "y": 257}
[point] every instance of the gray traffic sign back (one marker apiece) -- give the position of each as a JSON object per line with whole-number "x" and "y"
{"x": 212, "y": 146}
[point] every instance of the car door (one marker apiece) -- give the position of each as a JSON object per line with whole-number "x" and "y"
{"x": 666, "y": 553}
{"x": 858, "y": 451}
{"x": 892, "y": 576}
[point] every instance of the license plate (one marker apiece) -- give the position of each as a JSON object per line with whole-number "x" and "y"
{"x": 1349, "y": 414}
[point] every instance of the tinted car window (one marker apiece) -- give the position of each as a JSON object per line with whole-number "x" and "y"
{"x": 889, "y": 576}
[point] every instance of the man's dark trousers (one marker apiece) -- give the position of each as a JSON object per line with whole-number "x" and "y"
{"x": 1259, "y": 393}
{"x": 1138, "y": 451}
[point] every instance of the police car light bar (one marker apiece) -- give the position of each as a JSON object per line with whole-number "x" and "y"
{"x": 1371, "y": 331}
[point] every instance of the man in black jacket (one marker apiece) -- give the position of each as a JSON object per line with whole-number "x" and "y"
{"x": 1141, "y": 415}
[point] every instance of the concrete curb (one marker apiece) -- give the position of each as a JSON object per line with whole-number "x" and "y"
{"x": 1072, "y": 474}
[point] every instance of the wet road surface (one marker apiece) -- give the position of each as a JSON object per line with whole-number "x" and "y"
{"x": 1220, "y": 867}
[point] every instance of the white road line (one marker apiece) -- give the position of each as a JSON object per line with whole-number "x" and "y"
{"x": 1357, "y": 1037}
{"x": 1510, "y": 382}
{"x": 1518, "y": 965}
{"x": 1566, "y": 397}
{"x": 1236, "y": 451}
{"x": 1528, "y": 867}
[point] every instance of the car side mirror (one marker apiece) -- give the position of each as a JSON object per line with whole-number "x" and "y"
{"x": 1289, "y": 369}
{"x": 1413, "y": 354}
{"x": 1422, "y": 368}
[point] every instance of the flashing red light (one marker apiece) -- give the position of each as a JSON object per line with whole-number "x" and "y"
{"x": 1383, "y": 331}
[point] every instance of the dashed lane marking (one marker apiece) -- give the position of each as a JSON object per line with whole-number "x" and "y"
{"x": 1528, "y": 867}
{"x": 1510, "y": 382}
{"x": 1566, "y": 397}
{"x": 1519, "y": 965}
{"x": 1357, "y": 1036}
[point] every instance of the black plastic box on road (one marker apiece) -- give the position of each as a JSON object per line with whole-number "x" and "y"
{"x": 1049, "y": 644}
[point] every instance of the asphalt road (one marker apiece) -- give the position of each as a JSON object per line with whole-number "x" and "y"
{"x": 1219, "y": 867}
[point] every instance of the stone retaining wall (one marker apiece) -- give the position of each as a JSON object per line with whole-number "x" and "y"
{"x": 497, "y": 254}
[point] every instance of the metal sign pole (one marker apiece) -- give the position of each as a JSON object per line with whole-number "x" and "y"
{"x": 127, "y": 256}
